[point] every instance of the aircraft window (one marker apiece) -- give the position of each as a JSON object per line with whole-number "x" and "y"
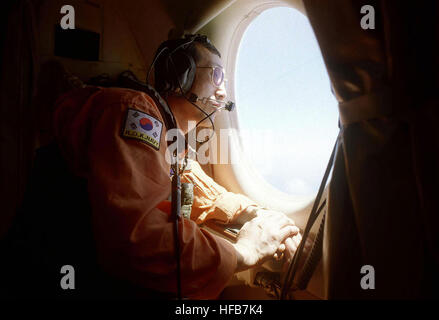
{"x": 287, "y": 114}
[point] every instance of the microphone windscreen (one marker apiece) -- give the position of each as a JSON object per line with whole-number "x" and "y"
{"x": 230, "y": 106}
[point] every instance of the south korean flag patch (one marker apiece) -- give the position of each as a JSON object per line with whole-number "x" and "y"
{"x": 143, "y": 127}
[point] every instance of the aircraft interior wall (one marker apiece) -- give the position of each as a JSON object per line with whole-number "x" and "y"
{"x": 128, "y": 33}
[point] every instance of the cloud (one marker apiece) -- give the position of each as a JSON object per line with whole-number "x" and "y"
{"x": 297, "y": 186}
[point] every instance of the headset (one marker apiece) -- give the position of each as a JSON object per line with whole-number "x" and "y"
{"x": 175, "y": 68}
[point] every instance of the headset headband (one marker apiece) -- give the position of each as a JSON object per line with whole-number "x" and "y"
{"x": 174, "y": 66}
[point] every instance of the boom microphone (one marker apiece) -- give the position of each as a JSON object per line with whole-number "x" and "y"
{"x": 229, "y": 106}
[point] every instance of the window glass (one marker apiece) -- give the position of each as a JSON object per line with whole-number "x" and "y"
{"x": 287, "y": 114}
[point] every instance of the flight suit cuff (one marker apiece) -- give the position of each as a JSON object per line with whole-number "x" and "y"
{"x": 225, "y": 271}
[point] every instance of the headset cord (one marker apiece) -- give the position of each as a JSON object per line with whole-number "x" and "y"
{"x": 176, "y": 194}
{"x": 191, "y": 102}
{"x": 153, "y": 63}
{"x": 213, "y": 127}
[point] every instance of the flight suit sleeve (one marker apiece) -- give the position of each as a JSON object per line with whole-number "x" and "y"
{"x": 127, "y": 179}
{"x": 211, "y": 200}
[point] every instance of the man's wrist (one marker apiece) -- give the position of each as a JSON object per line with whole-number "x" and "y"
{"x": 242, "y": 255}
{"x": 252, "y": 211}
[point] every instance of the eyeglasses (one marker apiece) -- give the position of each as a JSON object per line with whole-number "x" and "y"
{"x": 217, "y": 75}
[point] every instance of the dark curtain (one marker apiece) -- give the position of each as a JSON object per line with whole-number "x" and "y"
{"x": 382, "y": 209}
{"x": 19, "y": 67}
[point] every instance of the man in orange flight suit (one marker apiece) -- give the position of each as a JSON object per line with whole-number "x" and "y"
{"x": 129, "y": 184}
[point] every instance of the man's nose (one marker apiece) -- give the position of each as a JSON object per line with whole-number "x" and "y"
{"x": 221, "y": 93}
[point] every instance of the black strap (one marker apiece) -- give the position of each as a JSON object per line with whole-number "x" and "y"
{"x": 128, "y": 80}
{"x": 315, "y": 212}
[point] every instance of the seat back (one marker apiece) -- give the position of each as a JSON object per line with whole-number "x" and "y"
{"x": 53, "y": 228}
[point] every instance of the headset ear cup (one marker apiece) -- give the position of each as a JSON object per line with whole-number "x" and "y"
{"x": 184, "y": 70}
{"x": 189, "y": 74}
{"x": 174, "y": 67}
{"x": 168, "y": 75}
{"x": 163, "y": 72}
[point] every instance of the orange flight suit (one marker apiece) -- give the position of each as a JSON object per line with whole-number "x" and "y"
{"x": 128, "y": 184}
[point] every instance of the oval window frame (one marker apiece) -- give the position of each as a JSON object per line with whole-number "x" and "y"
{"x": 242, "y": 176}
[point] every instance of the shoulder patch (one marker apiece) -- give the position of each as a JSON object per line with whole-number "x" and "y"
{"x": 143, "y": 127}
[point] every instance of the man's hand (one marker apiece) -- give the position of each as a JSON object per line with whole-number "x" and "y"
{"x": 291, "y": 246}
{"x": 288, "y": 248}
{"x": 260, "y": 238}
